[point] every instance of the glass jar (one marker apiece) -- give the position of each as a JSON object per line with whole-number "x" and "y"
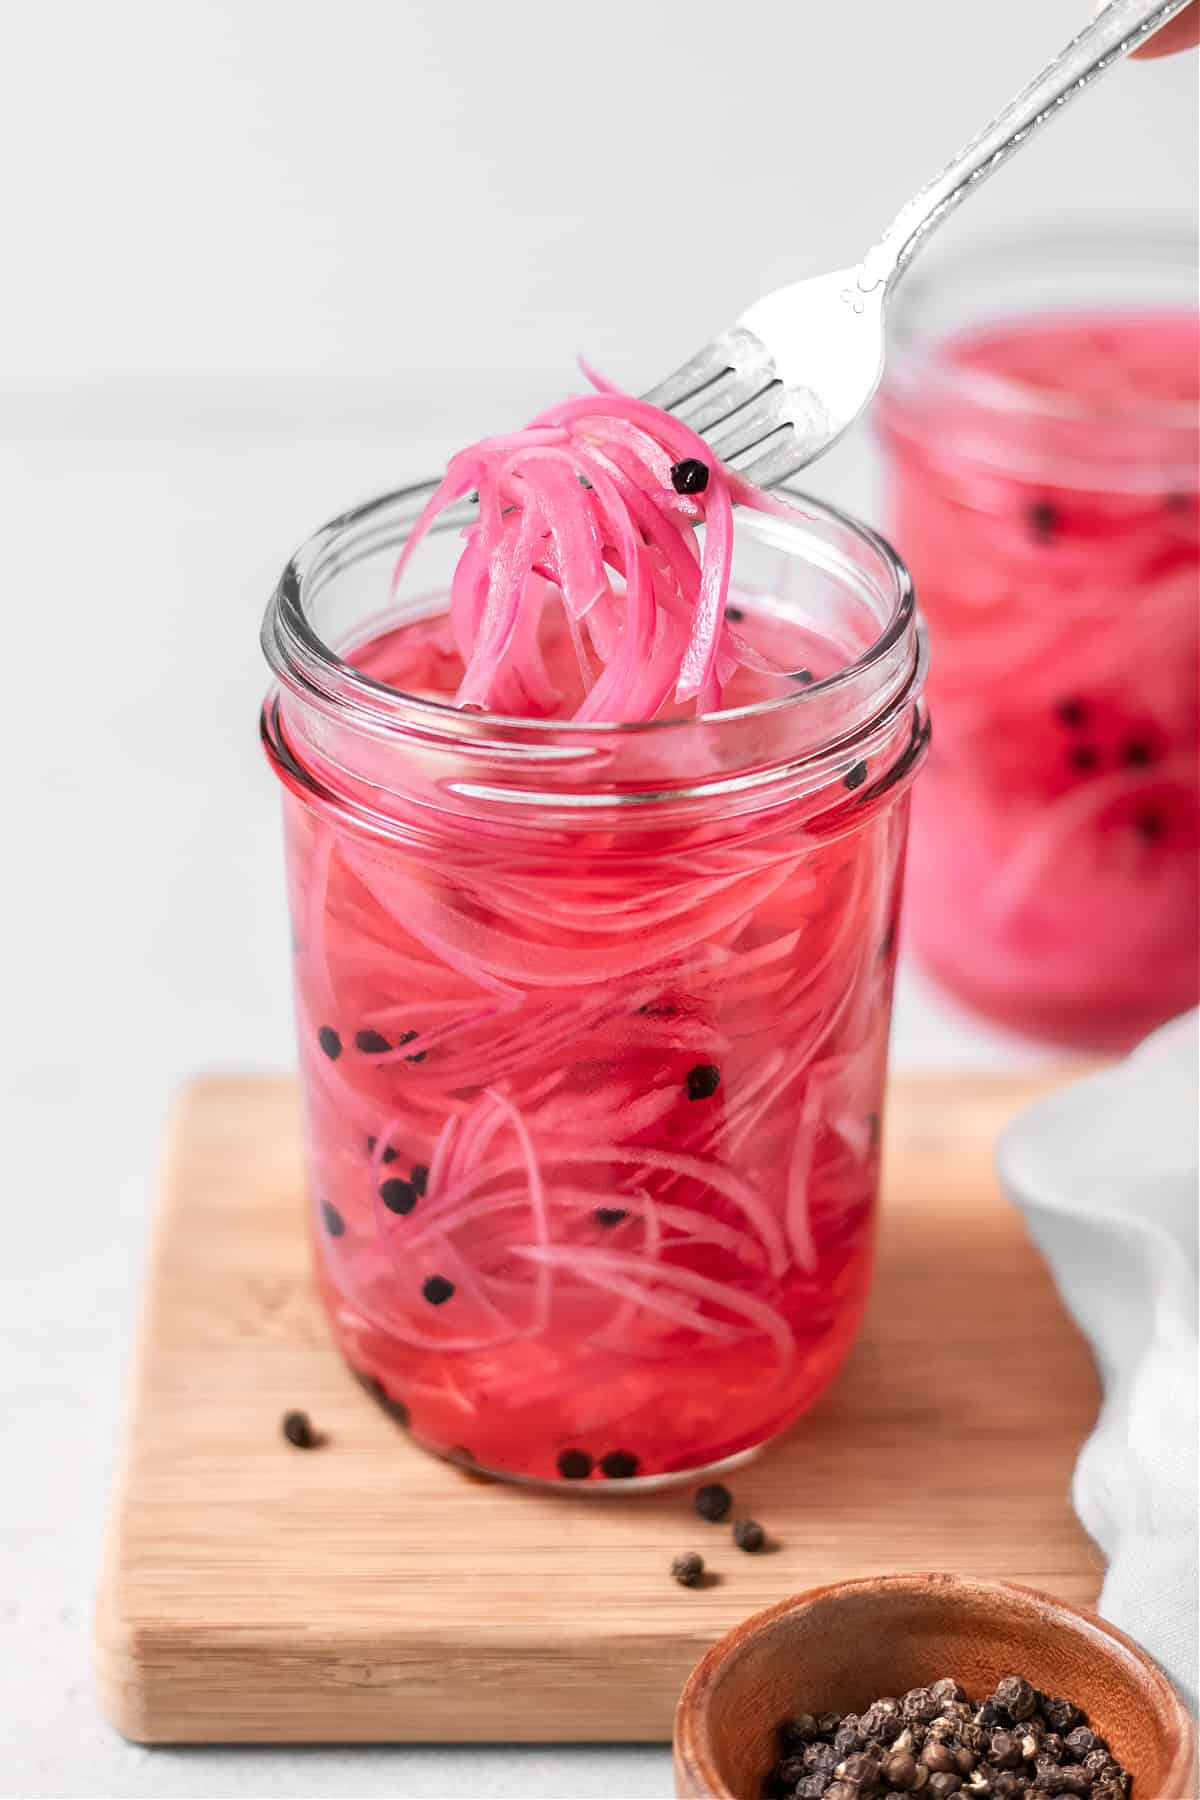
{"x": 593, "y": 1019}
{"x": 1041, "y": 433}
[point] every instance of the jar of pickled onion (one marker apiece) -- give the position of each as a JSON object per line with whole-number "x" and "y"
{"x": 1041, "y": 432}
{"x": 593, "y": 1018}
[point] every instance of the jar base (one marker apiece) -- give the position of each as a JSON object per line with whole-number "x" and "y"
{"x": 614, "y": 1489}
{"x": 610, "y": 1486}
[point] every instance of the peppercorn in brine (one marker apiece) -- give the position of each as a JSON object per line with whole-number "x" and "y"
{"x": 935, "y": 1742}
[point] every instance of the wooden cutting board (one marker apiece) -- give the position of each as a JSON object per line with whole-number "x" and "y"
{"x": 254, "y": 1593}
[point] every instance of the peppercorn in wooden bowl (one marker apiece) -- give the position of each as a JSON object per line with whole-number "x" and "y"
{"x": 838, "y": 1649}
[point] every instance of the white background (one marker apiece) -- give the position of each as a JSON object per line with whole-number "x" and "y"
{"x": 257, "y": 261}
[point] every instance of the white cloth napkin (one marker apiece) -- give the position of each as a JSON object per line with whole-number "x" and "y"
{"x": 1106, "y": 1175}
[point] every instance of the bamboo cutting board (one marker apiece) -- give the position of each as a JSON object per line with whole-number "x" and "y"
{"x": 255, "y": 1593}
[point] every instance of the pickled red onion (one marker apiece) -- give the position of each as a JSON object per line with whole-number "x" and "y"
{"x": 581, "y": 508}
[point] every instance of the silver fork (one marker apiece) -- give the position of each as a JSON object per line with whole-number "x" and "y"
{"x": 779, "y": 387}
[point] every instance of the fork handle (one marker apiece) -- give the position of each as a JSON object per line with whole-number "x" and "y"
{"x": 1119, "y": 28}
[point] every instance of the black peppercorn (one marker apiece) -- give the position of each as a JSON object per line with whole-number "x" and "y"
{"x": 1071, "y": 712}
{"x": 748, "y": 1534}
{"x": 437, "y": 1290}
{"x": 574, "y": 1464}
{"x": 820, "y": 1759}
{"x": 964, "y": 1760}
{"x": 608, "y": 1216}
{"x": 854, "y": 778}
{"x": 799, "y": 1731}
{"x": 703, "y": 1081}
{"x": 713, "y": 1502}
{"x": 919, "y": 1704}
{"x": 1074, "y": 1781}
{"x": 848, "y": 1739}
{"x": 297, "y": 1429}
{"x": 330, "y": 1042}
{"x": 1006, "y": 1785}
{"x": 399, "y": 1197}
{"x": 860, "y": 1769}
{"x": 946, "y": 1692}
{"x": 1005, "y": 1751}
{"x": 812, "y": 1787}
{"x": 827, "y": 1724}
{"x": 900, "y": 1770}
{"x": 943, "y": 1784}
{"x": 882, "y": 1719}
{"x": 335, "y": 1225}
{"x": 1049, "y": 1743}
{"x": 619, "y": 1465}
{"x": 688, "y": 1570}
{"x": 842, "y": 1790}
{"x": 990, "y": 1714}
{"x": 371, "y": 1043}
{"x": 1016, "y": 1696}
{"x": 1060, "y": 1715}
{"x": 689, "y": 476}
{"x": 1044, "y": 520}
{"x": 937, "y": 1756}
{"x": 1082, "y": 1741}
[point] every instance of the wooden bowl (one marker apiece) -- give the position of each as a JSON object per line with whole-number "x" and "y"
{"x": 835, "y": 1649}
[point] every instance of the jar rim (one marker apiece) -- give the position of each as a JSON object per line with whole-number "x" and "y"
{"x": 304, "y": 662}
{"x": 917, "y": 354}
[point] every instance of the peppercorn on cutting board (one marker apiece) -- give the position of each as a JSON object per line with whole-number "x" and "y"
{"x": 363, "y": 1591}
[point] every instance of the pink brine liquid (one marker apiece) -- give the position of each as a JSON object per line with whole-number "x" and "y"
{"x": 1054, "y": 869}
{"x": 594, "y": 1128}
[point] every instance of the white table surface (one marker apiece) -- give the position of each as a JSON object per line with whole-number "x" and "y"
{"x": 144, "y": 940}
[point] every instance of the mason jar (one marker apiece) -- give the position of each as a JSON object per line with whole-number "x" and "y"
{"x": 593, "y": 1019}
{"x": 1040, "y": 424}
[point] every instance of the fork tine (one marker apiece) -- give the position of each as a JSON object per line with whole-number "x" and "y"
{"x": 775, "y": 459}
{"x": 736, "y": 349}
{"x": 715, "y": 403}
{"x": 747, "y": 428}
{"x": 690, "y": 379}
